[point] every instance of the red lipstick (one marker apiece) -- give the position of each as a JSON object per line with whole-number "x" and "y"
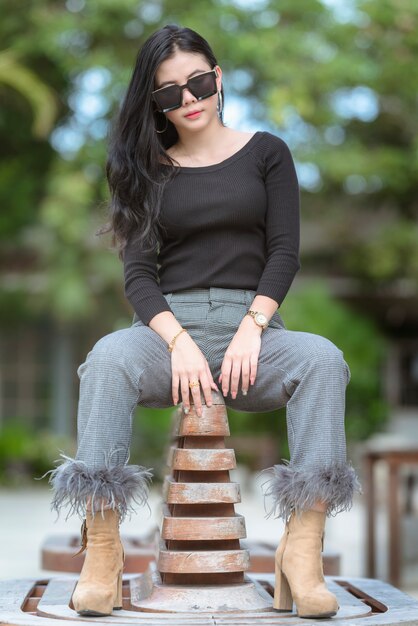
{"x": 193, "y": 114}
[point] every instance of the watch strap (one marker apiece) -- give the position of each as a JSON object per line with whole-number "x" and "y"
{"x": 253, "y": 315}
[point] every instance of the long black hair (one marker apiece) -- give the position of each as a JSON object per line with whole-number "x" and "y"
{"x": 135, "y": 179}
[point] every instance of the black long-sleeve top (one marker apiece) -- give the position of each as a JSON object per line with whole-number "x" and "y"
{"x": 234, "y": 224}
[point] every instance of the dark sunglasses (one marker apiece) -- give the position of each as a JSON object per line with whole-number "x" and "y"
{"x": 201, "y": 86}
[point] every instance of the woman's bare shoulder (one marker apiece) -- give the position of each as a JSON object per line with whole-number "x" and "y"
{"x": 241, "y": 135}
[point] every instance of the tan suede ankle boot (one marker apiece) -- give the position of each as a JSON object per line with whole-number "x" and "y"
{"x": 299, "y": 569}
{"x": 99, "y": 588}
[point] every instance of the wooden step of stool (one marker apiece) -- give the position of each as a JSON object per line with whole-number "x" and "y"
{"x": 57, "y": 555}
{"x": 200, "y": 493}
{"x": 200, "y": 561}
{"x": 202, "y": 528}
{"x": 213, "y": 424}
{"x": 203, "y": 460}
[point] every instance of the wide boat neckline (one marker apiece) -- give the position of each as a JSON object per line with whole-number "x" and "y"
{"x": 206, "y": 168}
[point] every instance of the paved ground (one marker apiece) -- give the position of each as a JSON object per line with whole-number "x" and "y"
{"x": 26, "y": 519}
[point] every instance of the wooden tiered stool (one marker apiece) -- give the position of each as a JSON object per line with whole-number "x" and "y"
{"x": 200, "y": 564}
{"x": 57, "y": 551}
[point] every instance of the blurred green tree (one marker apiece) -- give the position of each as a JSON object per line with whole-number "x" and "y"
{"x": 336, "y": 80}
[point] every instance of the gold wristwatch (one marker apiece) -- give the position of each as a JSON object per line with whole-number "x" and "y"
{"x": 259, "y": 318}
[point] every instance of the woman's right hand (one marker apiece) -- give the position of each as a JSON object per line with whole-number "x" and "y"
{"x": 188, "y": 363}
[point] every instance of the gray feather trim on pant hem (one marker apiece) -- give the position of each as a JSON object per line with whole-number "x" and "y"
{"x": 74, "y": 483}
{"x": 297, "y": 489}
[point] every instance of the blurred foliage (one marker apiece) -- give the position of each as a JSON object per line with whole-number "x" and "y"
{"x": 393, "y": 253}
{"x": 26, "y": 453}
{"x": 336, "y": 80}
{"x": 39, "y": 96}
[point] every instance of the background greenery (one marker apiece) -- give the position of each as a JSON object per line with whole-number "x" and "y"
{"x": 336, "y": 80}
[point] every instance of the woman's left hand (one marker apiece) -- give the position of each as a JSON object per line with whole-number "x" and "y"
{"x": 241, "y": 358}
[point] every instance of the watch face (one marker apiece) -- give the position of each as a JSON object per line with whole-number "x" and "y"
{"x": 261, "y": 318}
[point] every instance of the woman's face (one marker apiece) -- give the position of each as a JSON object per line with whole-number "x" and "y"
{"x": 178, "y": 69}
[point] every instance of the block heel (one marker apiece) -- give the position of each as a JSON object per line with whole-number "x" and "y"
{"x": 118, "y": 601}
{"x": 283, "y": 600}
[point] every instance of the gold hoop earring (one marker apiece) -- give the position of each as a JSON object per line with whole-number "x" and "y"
{"x": 164, "y": 129}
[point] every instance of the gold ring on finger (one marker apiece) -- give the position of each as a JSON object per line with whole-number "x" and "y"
{"x": 194, "y": 383}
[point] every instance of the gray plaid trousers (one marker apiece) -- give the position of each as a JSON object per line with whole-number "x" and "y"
{"x": 303, "y": 371}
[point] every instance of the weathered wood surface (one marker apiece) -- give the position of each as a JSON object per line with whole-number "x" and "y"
{"x": 200, "y": 493}
{"x": 204, "y": 528}
{"x": 196, "y": 476}
{"x": 201, "y": 459}
{"x": 219, "y": 509}
{"x": 212, "y": 423}
{"x": 198, "y": 441}
{"x": 378, "y": 604}
{"x": 199, "y": 561}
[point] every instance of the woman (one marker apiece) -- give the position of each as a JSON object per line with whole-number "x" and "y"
{"x": 207, "y": 223}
